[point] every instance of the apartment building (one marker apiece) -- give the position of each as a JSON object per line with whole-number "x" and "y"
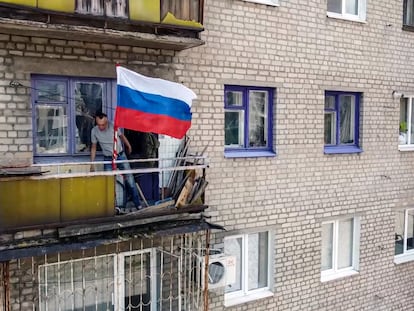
{"x": 302, "y": 127}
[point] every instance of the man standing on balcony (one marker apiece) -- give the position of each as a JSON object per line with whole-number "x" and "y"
{"x": 103, "y": 133}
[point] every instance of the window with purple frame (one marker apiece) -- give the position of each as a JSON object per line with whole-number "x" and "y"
{"x": 341, "y": 134}
{"x": 248, "y": 121}
{"x": 63, "y": 113}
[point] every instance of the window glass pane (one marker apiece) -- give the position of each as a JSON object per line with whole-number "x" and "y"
{"x": 327, "y": 246}
{"x": 234, "y": 247}
{"x": 347, "y": 119}
{"x": 402, "y": 139}
{"x": 52, "y": 132}
{"x": 234, "y": 128}
{"x": 408, "y": 14}
{"x": 335, "y": 6}
{"x": 345, "y": 243}
{"x": 351, "y": 7}
{"x": 329, "y": 102}
{"x": 399, "y": 232}
{"x": 330, "y": 128}
{"x": 137, "y": 280}
{"x": 50, "y": 91}
{"x": 88, "y": 100}
{"x": 257, "y": 260}
{"x": 258, "y": 118}
{"x": 410, "y": 229}
{"x": 234, "y": 98}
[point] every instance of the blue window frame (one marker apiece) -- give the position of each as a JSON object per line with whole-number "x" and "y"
{"x": 63, "y": 114}
{"x": 248, "y": 121}
{"x": 341, "y": 134}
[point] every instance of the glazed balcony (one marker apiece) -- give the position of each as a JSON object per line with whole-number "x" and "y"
{"x": 167, "y": 24}
{"x": 64, "y": 194}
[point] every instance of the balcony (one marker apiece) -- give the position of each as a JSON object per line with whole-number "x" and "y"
{"x": 167, "y": 24}
{"x": 56, "y": 195}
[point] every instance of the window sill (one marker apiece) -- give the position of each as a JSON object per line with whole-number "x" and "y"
{"x": 406, "y": 147}
{"x": 265, "y": 2}
{"x": 399, "y": 259}
{"x": 228, "y": 302}
{"x": 341, "y": 149}
{"x": 338, "y": 275}
{"x": 243, "y": 153}
{"x": 348, "y": 17}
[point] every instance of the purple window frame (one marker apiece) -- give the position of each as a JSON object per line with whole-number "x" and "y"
{"x": 246, "y": 151}
{"x": 69, "y": 104}
{"x": 344, "y": 148}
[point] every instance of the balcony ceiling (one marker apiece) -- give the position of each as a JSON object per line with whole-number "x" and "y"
{"x": 99, "y": 30}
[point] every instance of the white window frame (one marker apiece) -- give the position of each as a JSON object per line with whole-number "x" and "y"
{"x": 335, "y": 272}
{"x": 118, "y": 295}
{"x": 362, "y": 12}
{"x": 244, "y": 295}
{"x": 407, "y": 255}
{"x": 265, "y": 2}
{"x": 408, "y": 147}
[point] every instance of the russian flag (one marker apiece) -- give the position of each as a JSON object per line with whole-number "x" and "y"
{"x": 152, "y": 105}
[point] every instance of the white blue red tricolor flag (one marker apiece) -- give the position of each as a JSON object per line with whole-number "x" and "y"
{"x": 152, "y": 105}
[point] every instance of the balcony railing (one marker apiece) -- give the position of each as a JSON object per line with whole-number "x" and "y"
{"x": 66, "y": 193}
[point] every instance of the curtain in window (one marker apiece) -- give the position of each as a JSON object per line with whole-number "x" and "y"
{"x": 351, "y": 7}
{"x": 234, "y": 247}
{"x": 257, "y": 119}
{"x": 346, "y": 119}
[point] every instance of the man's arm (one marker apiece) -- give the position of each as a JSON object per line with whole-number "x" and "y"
{"x": 93, "y": 155}
{"x": 126, "y": 143}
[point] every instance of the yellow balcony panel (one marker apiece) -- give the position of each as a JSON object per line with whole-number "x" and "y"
{"x": 21, "y": 2}
{"x": 26, "y": 202}
{"x": 87, "y": 197}
{"x": 67, "y": 6}
{"x": 145, "y": 10}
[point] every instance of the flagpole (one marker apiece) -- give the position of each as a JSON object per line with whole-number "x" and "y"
{"x": 115, "y": 153}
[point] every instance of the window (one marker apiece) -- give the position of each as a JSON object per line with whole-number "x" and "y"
{"x": 267, "y": 2}
{"x": 406, "y": 136}
{"x": 132, "y": 280}
{"x": 408, "y": 17}
{"x": 248, "y": 121}
{"x": 253, "y": 267}
{"x": 340, "y": 248}
{"x": 341, "y": 133}
{"x": 347, "y": 9}
{"x": 63, "y": 110}
{"x": 404, "y": 236}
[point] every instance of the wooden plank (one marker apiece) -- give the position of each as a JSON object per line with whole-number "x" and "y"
{"x": 182, "y": 198}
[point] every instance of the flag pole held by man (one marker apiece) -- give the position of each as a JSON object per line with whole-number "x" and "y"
{"x": 152, "y": 105}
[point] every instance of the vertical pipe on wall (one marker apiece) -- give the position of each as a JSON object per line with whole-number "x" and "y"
{"x": 5, "y": 286}
{"x": 206, "y": 270}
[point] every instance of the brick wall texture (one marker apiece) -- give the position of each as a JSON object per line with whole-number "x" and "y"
{"x": 301, "y": 52}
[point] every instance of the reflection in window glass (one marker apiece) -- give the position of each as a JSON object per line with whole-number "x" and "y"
{"x": 330, "y": 133}
{"x": 88, "y": 101}
{"x": 234, "y": 247}
{"x": 50, "y": 91}
{"x": 351, "y": 7}
{"x": 327, "y": 244}
{"x": 51, "y": 135}
{"x": 335, "y": 6}
{"x": 258, "y": 260}
{"x": 410, "y": 229}
{"x": 234, "y": 128}
{"x": 257, "y": 119}
{"x": 399, "y": 232}
{"x": 345, "y": 243}
{"x": 234, "y": 98}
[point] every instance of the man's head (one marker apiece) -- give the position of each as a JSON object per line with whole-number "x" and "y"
{"x": 101, "y": 121}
